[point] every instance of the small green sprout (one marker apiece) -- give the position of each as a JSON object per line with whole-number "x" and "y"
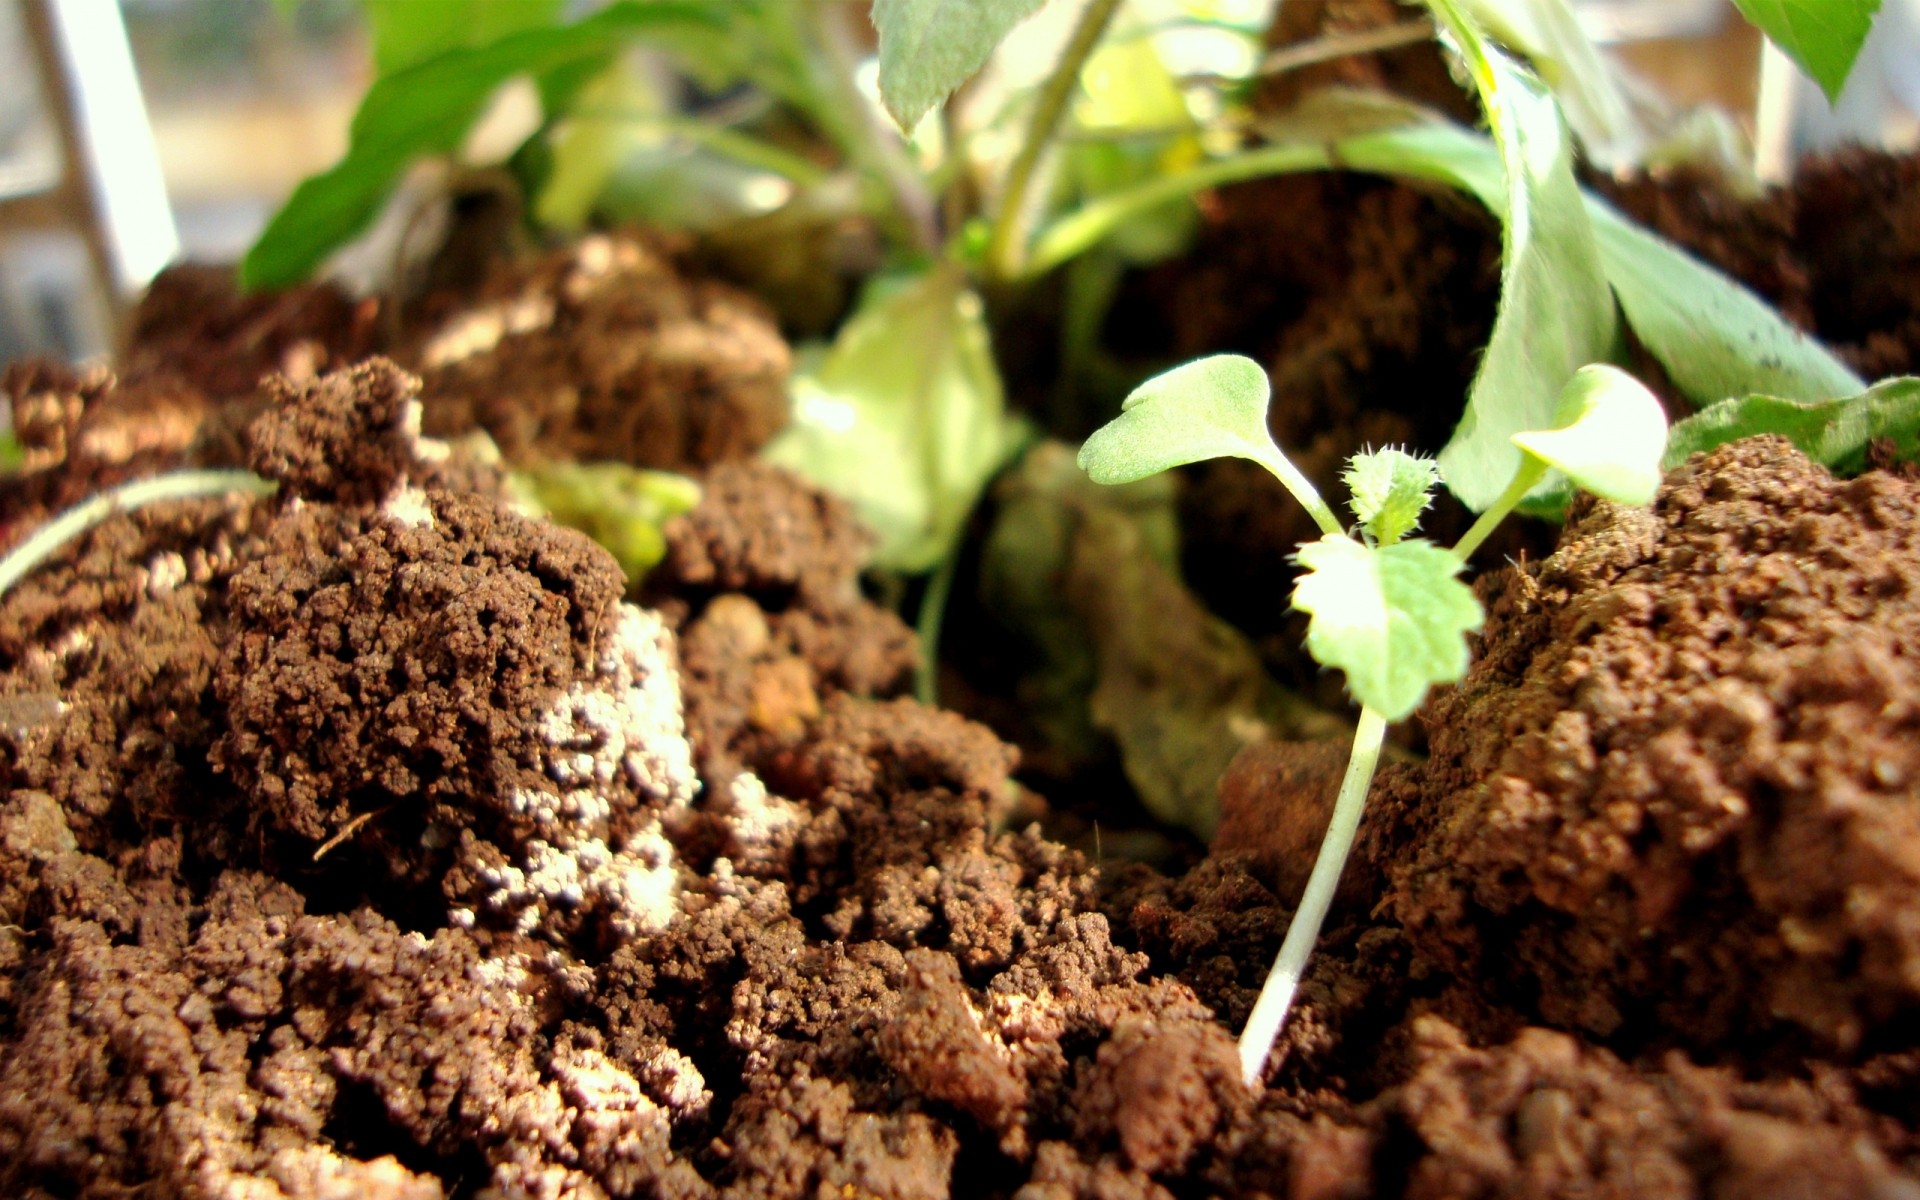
{"x": 620, "y": 506}
{"x": 1388, "y": 610}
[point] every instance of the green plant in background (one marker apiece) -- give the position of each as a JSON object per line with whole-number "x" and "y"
{"x": 1387, "y": 609}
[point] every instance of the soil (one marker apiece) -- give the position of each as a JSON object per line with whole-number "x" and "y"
{"x": 371, "y": 839}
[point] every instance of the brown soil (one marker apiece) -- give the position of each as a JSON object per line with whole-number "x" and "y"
{"x": 368, "y": 840}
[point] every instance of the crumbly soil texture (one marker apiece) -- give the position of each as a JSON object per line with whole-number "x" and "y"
{"x": 372, "y": 840}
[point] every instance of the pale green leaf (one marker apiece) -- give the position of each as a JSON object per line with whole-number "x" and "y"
{"x": 618, "y": 505}
{"x": 1714, "y": 337}
{"x": 1394, "y": 618}
{"x": 1212, "y": 407}
{"x": 1389, "y": 490}
{"x": 1556, "y": 312}
{"x": 904, "y": 417}
{"x": 930, "y": 47}
{"x": 406, "y": 32}
{"x": 1834, "y": 433}
{"x": 1607, "y": 437}
{"x": 1587, "y": 84}
{"x": 1823, "y": 36}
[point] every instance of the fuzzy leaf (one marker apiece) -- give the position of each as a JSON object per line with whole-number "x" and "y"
{"x": 1394, "y": 618}
{"x": 1588, "y": 85}
{"x": 1556, "y": 312}
{"x": 1714, "y": 337}
{"x": 1390, "y": 489}
{"x": 1607, "y": 437}
{"x": 1213, "y": 407}
{"x": 905, "y": 418}
{"x": 1823, "y": 36}
{"x": 1834, "y": 433}
{"x": 427, "y": 108}
{"x": 930, "y": 47}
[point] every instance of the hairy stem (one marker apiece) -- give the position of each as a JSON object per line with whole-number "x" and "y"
{"x": 1276, "y": 997}
{"x": 1530, "y": 472}
{"x": 1303, "y": 491}
{"x": 1006, "y": 245}
{"x": 179, "y": 485}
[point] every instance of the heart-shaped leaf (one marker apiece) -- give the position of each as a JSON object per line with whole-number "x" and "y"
{"x": 1394, "y": 618}
{"x": 1212, "y": 407}
{"x": 1609, "y": 433}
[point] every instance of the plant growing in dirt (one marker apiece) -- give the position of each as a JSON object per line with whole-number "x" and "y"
{"x": 1066, "y": 173}
{"x": 1386, "y": 608}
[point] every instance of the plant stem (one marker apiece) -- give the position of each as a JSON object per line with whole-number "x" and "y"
{"x": 827, "y": 55}
{"x": 1006, "y": 245}
{"x": 1276, "y": 997}
{"x": 178, "y": 485}
{"x": 933, "y": 612}
{"x": 1303, "y": 491}
{"x": 1530, "y": 472}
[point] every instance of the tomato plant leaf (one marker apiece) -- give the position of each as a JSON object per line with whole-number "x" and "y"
{"x": 1556, "y": 312}
{"x": 1607, "y": 437}
{"x": 904, "y": 417}
{"x": 427, "y": 109}
{"x": 1823, "y": 36}
{"x": 930, "y": 47}
{"x": 1394, "y": 618}
{"x": 1834, "y": 433}
{"x": 1214, "y": 407}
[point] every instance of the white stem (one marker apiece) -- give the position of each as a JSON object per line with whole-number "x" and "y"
{"x": 1276, "y": 997}
{"x": 179, "y": 485}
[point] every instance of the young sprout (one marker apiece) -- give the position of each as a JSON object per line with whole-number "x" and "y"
{"x": 1387, "y": 609}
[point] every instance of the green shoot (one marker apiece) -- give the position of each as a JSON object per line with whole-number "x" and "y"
{"x": 47, "y": 540}
{"x": 1390, "y": 489}
{"x": 1387, "y": 610}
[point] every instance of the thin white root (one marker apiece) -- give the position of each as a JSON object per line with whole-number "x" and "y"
{"x": 178, "y": 485}
{"x": 1276, "y": 996}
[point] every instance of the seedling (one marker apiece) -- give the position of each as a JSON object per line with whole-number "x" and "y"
{"x": 1386, "y": 608}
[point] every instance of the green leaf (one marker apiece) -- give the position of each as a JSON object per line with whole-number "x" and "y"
{"x": 1556, "y": 312}
{"x": 1823, "y": 36}
{"x": 1390, "y": 489}
{"x": 1834, "y": 433}
{"x": 1210, "y": 408}
{"x": 1587, "y": 84}
{"x": 406, "y": 32}
{"x": 620, "y": 506}
{"x": 1608, "y": 434}
{"x": 1394, "y": 618}
{"x": 427, "y": 109}
{"x": 905, "y": 418}
{"x": 930, "y": 47}
{"x": 1714, "y": 337}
